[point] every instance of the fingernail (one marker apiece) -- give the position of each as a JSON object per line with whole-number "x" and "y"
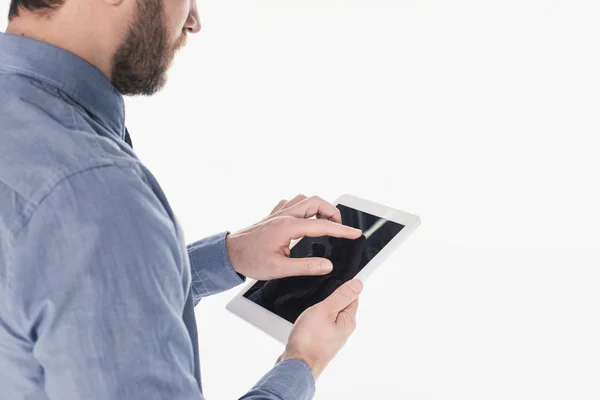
{"x": 327, "y": 267}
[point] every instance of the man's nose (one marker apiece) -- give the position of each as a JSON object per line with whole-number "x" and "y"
{"x": 193, "y": 21}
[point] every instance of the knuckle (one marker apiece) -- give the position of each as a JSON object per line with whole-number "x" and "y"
{"x": 316, "y": 199}
{"x": 312, "y": 209}
{"x": 308, "y": 266}
{"x": 345, "y": 293}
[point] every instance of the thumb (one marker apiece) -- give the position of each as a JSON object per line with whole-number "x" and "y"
{"x": 304, "y": 266}
{"x": 343, "y": 296}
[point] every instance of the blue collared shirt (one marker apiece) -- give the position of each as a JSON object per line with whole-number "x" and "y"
{"x": 97, "y": 285}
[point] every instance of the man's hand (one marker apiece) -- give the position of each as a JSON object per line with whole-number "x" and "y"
{"x": 262, "y": 251}
{"x": 322, "y": 330}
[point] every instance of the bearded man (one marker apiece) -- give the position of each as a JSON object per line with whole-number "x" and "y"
{"x": 97, "y": 286}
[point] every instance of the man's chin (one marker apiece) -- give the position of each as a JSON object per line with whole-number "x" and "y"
{"x": 147, "y": 85}
{"x": 160, "y": 85}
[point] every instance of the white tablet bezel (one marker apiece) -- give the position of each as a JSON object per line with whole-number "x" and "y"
{"x": 280, "y": 328}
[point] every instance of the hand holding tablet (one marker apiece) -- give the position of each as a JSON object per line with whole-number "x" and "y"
{"x": 296, "y": 298}
{"x": 322, "y": 330}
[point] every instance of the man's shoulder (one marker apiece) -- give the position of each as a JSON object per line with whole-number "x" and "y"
{"x": 39, "y": 155}
{"x": 41, "y": 142}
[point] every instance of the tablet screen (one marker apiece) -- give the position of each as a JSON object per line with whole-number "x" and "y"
{"x": 289, "y": 297}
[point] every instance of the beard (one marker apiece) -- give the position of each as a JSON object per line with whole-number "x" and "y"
{"x": 140, "y": 64}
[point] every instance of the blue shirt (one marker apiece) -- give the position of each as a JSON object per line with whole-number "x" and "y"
{"x": 97, "y": 285}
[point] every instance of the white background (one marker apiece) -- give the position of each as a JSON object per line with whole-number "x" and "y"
{"x": 482, "y": 117}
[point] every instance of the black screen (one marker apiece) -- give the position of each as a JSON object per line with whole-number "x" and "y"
{"x": 289, "y": 297}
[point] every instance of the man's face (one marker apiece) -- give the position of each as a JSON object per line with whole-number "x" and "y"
{"x": 159, "y": 28}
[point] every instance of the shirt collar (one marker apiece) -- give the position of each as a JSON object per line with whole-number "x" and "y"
{"x": 83, "y": 82}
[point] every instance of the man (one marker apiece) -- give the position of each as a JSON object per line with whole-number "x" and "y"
{"x": 97, "y": 287}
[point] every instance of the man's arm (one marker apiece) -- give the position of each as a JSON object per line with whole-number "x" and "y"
{"x": 290, "y": 379}
{"x": 99, "y": 289}
{"x": 212, "y": 271}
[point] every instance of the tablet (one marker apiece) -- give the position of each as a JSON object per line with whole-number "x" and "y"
{"x": 273, "y": 306}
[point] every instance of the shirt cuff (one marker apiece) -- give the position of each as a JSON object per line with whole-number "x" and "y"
{"x": 212, "y": 271}
{"x": 289, "y": 379}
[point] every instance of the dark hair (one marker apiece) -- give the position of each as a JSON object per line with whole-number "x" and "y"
{"x": 32, "y": 5}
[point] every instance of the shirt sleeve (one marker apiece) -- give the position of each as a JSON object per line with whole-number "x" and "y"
{"x": 100, "y": 288}
{"x": 211, "y": 267}
{"x": 290, "y": 379}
